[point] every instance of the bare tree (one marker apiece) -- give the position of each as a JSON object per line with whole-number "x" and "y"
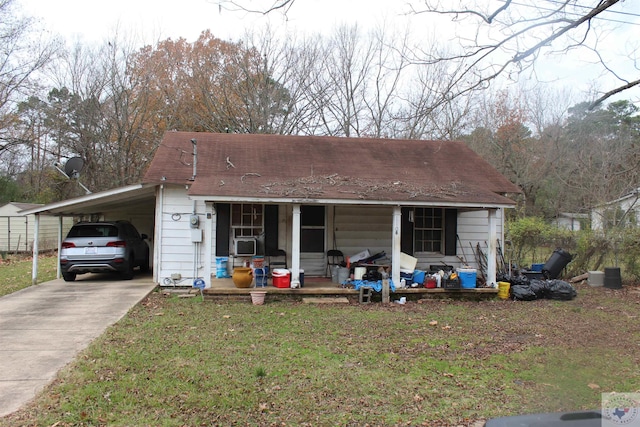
{"x": 510, "y": 37}
{"x": 22, "y": 54}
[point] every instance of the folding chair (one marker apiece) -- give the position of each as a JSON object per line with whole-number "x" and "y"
{"x": 334, "y": 258}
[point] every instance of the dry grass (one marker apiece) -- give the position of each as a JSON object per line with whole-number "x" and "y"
{"x": 176, "y": 362}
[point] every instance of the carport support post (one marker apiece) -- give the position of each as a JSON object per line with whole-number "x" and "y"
{"x": 36, "y": 237}
{"x": 491, "y": 256}
{"x": 60, "y": 228}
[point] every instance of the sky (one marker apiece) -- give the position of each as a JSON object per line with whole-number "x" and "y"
{"x": 95, "y": 20}
{"x": 153, "y": 20}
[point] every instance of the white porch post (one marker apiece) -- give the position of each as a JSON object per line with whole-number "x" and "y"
{"x": 395, "y": 245}
{"x": 491, "y": 256}
{"x": 208, "y": 244}
{"x": 36, "y": 237}
{"x": 295, "y": 244}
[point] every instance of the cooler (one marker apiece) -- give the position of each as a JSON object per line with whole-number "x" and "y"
{"x": 281, "y": 278}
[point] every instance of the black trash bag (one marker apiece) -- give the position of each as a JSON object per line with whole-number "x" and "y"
{"x": 561, "y": 290}
{"x": 503, "y": 277}
{"x": 519, "y": 281}
{"x": 540, "y": 288}
{"x": 522, "y": 293}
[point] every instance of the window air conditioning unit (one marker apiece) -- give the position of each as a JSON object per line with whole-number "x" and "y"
{"x": 244, "y": 246}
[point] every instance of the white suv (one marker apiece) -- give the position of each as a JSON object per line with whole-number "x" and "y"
{"x": 96, "y": 247}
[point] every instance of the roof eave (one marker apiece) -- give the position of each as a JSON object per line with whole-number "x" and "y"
{"x": 281, "y": 200}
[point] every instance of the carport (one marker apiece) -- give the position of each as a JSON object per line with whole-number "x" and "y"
{"x": 135, "y": 203}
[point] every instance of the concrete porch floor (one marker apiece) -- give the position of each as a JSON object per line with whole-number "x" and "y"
{"x": 322, "y": 286}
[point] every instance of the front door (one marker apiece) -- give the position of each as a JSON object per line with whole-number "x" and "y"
{"x": 312, "y": 240}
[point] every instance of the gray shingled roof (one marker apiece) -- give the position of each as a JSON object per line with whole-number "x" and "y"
{"x": 328, "y": 168}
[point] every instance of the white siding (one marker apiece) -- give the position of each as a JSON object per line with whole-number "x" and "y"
{"x": 178, "y": 254}
{"x": 363, "y": 227}
{"x": 473, "y": 230}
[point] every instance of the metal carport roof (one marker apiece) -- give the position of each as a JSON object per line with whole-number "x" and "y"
{"x": 98, "y": 202}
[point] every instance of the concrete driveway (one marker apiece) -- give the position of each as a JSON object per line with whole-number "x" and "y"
{"x": 44, "y": 327}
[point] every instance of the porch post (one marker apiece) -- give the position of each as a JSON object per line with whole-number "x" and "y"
{"x": 491, "y": 256}
{"x": 395, "y": 245}
{"x": 295, "y": 245}
{"x": 36, "y": 237}
{"x": 208, "y": 249}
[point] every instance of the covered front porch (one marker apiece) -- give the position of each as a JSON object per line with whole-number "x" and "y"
{"x": 324, "y": 288}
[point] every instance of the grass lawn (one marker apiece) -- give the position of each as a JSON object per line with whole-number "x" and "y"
{"x": 15, "y": 273}
{"x": 183, "y": 362}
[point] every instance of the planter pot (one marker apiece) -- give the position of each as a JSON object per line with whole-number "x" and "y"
{"x": 257, "y": 297}
{"x": 242, "y": 277}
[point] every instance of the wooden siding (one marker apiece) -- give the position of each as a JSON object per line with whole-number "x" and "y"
{"x": 178, "y": 254}
{"x": 473, "y": 230}
{"x": 354, "y": 228}
{"x": 358, "y": 228}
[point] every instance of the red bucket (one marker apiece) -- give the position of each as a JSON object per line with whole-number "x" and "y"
{"x": 430, "y": 283}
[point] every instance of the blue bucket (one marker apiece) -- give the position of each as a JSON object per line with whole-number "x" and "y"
{"x": 418, "y": 277}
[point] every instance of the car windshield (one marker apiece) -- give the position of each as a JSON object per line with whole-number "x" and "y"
{"x": 94, "y": 231}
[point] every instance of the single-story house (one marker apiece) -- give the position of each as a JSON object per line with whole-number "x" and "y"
{"x": 209, "y": 195}
{"x": 625, "y": 210}
{"x": 571, "y": 221}
{"x": 17, "y": 230}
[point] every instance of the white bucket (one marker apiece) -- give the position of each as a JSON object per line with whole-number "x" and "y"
{"x": 359, "y": 272}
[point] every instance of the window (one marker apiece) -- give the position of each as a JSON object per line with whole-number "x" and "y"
{"x": 312, "y": 228}
{"x": 428, "y": 229}
{"x": 247, "y": 220}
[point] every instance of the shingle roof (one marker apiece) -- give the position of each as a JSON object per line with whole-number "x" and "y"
{"x": 328, "y": 168}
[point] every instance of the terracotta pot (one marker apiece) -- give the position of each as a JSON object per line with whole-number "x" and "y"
{"x": 257, "y": 297}
{"x": 242, "y": 277}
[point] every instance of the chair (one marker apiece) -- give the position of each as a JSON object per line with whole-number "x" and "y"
{"x": 334, "y": 258}
{"x": 280, "y": 260}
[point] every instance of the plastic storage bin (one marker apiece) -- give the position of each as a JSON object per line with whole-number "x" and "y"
{"x": 467, "y": 277}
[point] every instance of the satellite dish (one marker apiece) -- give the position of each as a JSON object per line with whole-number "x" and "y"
{"x": 73, "y": 167}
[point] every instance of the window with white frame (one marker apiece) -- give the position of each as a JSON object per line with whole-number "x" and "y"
{"x": 428, "y": 227}
{"x": 247, "y": 220}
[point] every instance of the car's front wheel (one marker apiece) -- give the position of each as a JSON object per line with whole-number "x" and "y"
{"x": 69, "y": 277}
